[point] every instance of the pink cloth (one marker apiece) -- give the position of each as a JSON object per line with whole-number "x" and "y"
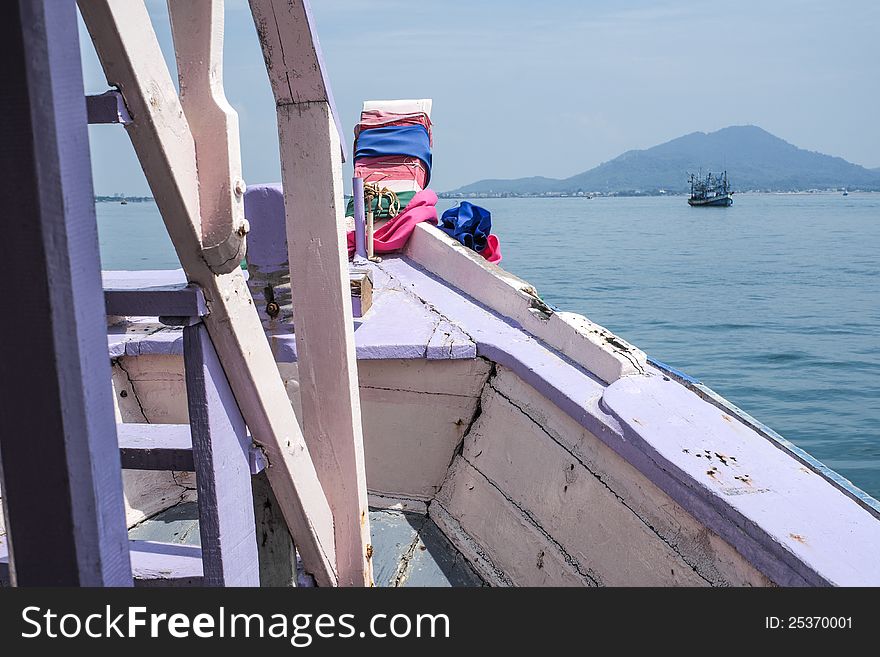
{"x": 492, "y": 252}
{"x": 393, "y": 235}
{"x": 380, "y": 119}
{"x": 391, "y": 167}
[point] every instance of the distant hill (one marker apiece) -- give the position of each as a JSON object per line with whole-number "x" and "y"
{"x": 753, "y": 158}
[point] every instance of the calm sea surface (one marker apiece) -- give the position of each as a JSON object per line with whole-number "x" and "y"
{"x": 774, "y": 302}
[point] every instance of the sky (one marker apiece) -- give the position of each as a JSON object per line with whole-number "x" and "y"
{"x": 554, "y": 88}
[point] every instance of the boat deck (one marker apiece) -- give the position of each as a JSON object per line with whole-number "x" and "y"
{"x": 751, "y": 489}
{"x": 409, "y": 550}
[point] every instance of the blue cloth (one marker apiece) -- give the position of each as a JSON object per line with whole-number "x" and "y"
{"x": 468, "y": 223}
{"x": 412, "y": 140}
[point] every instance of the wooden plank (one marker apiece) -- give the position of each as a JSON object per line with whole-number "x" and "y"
{"x": 604, "y": 354}
{"x": 594, "y": 527}
{"x": 481, "y": 522}
{"x": 221, "y": 446}
{"x": 132, "y": 60}
{"x": 311, "y": 172}
{"x": 173, "y": 300}
{"x": 155, "y": 446}
{"x": 277, "y": 552}
{"x": 66, "y": 520}
{"x": 298, "y": 75}
{"x": 108, "y": 107}
{"x": 166, "y": 564}
{"x": 197, "y": 29}
{"x": 152, "y": 293}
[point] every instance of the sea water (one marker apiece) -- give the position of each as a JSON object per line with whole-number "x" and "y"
{"x": 774, "y": 302}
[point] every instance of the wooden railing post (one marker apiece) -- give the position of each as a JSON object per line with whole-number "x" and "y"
{"x": 197, "y": 28}
{"x": 130, "y": 54}
{"x": 61, "y": 479}
{"x": 311, "y": 172}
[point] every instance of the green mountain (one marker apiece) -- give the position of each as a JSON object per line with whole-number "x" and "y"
{"x": 753, "y": 158}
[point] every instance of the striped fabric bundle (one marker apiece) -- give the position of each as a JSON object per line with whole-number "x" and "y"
{"x": 379, "y": 119}
{"x": 393, "y": 144}
{"x": 392, "y": 149}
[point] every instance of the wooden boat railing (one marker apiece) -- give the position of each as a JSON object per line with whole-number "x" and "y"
{"x": 188, "y": 147}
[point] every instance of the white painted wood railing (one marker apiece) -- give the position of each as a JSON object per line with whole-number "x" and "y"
{"x": 311, "y": 173}
{"x": 189, "y": 150}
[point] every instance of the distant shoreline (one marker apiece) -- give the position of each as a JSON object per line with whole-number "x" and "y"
{"x": 127, "y": 199}
{"x": 459, "y": 196}
{"x": 638, "y": 194}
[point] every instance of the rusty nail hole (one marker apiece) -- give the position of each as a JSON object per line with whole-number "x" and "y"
{"x": 369, "y": 551}
{"x": 272, "y": 309}
{"x": 124, "y": 393}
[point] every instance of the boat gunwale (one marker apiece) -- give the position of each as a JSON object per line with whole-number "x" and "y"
{"x": 844, "y": 485}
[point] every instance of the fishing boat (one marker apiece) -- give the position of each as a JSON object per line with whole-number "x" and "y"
{"x": 373, "y": 399}
{"x": 711, "y": 191}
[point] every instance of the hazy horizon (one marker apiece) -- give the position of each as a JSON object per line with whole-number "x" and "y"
{"x": 519, "y": 92}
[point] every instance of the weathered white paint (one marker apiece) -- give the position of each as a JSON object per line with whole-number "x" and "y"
{"x": 511, "y": 547}
{"x": 397, "y": 504}
{"x": 570, "y": 503}
{"x": 611, "y": 521}
{"x": 197, "y": 28}
{"x": 415, "y": 412}
{"x": 590, "y": 345}
{"x": 608, "y": 521}
{"x": 703, "y": 550}
{"x": 311, "y": 173}
{"x": 151, "y": 389}
{"x": 130, "y": 54}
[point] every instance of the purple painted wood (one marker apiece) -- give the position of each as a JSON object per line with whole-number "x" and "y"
{"x": 108, "y": 107}
{"x": 4, "y": 562}
{"x": 360, "y": 225}
{"x": 175, "y": 300}
{"x": 267, "y": 243}
{"x": 62, "y": 486}
{"x": 221, "y": 448}
{"x": 155, "y": 447}
{"x": 808, "y": 532}
{"x": 304, "y": 76}
{"x": 166, "y": 564}
{"x": 397, "y": 327}
{"x": 152, "y": 293}
{"x": 268, "y": 269}
{"x": 319, "y": 56}
{"x": 166, "y": 447}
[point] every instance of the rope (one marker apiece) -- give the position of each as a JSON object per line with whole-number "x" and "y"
{"x": 373, "y": 191}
